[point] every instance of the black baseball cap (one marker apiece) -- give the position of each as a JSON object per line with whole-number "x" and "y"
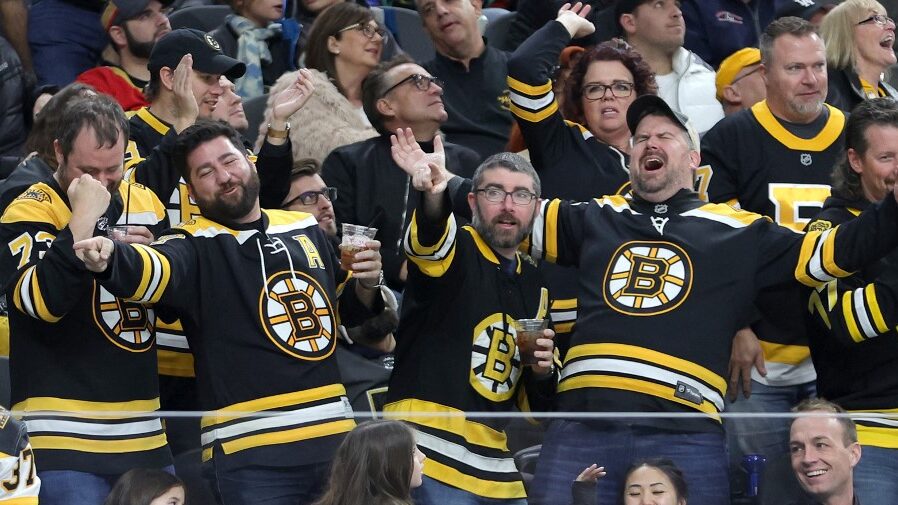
{"x": 647, "y": 105}
{"x": 626, "y": 7}
{"x": 207, "y": 55}
{"x": 119, "y": 11}
{"x": 804, "y": 9}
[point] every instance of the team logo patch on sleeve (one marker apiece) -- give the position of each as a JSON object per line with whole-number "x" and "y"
{"x": 36, "y": 194}
{"x": 646, "y": 278}
{"x": 297, "y": 315}
{"x": 820, "y": 225}
{"x": 495, "y": 360}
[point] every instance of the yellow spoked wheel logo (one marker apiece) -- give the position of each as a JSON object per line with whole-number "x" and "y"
{"x": 297, "y": 316}
{"x": 646, "y": 278}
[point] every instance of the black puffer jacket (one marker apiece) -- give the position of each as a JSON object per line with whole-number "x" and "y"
{"x": 12, "y": 98}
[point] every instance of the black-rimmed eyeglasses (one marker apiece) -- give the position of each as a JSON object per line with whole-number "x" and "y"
{"x": 496, "y": 195}
{"x": 367, "y": 29}
{"x": 311, "y": 197}
{"x": 879, "y": 19}
{"x": 619, "y": 89}
{"x": 422, "y": 82}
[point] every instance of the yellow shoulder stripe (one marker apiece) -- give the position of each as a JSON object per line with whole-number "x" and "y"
{"x": 39, "y": 204}
{"x": 529, "y": 89}
{"x": 829, "y": 134}
{"x": 154, "y": 122}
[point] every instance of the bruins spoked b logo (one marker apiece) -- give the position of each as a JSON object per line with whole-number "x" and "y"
{"x": 128, "y": 325}
{"x": 646, "y": 278}
{"x": 495, "y": 360}
{"x": 297, "y": 315}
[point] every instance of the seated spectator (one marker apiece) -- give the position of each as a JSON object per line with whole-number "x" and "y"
{"x": 373, "y": 189}
{"x": 230, "y": 107}
{"x": 716, "y": 29}
{"x": 133, "y": 27}
{"x": 657, "y": 31}
{"x": 345, "y": 44}
{"x": 66, "y": 38}
{"x": 811, "y": 11}
{"x": 143, "y": 486}
{"x": 476, "y": 94}
{"x": 654, "y": 480}
{"x": 740, "y": 83}
{"x": 306, "y": 11}
{"x": 824, "y": 453}
{"x": 377, "y": 463}
{"x": 859, "y": 37}
{"x": 252, "y": 36}
{"x": 365, "y": 351}
{"x": 846, "y": 353}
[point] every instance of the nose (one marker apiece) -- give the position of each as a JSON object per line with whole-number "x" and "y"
{"x": 324, "y": 203}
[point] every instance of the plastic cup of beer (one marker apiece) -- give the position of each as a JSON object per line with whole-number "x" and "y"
{"x": 117, "y": 232}
{"x": 527, "y": 331}
{"x": 355, "y": 240}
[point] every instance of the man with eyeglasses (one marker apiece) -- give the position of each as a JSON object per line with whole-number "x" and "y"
{"x": 365, "y": 351}
{"x": 133, "y": 27}
{"x": 655, "y": 28}
{"x": 373, "y": 190}
{"x": 775, "y": 159}
{"x": 456, "y": 348}
{"x": 739, "y": 81}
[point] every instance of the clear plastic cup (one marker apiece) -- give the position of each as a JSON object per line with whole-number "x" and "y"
{"x": 117, "y": 232}
{"x": 355, "y": 239}
{"x": 527, "y": 331}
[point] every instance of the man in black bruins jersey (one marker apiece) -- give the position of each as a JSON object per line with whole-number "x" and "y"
{"x": 666, "y": 279}
{"x": 75, "y": 348}
{"x": 464, "y": 359}
{"x": 853, "y": 320}
{"x": 774, "y": 159}
{"x": 256, "y": 291}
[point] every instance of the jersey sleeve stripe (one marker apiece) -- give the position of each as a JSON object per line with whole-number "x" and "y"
{"x": 875, "y": 311}
{"x": 437, "y": 251}
{"x": 848, "y": 315}
{"x": 156, "y": 272}
{"x": 527, "y": 89}
{"x": 860, "y": 308}
{"x": 32, "y": 299}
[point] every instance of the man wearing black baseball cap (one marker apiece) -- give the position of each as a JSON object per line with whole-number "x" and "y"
{"x": 133, "y": 27}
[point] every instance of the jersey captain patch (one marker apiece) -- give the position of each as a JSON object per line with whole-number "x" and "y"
{"x": 647, "y": 278}
{"x": 128, "y": 325}
{"x": 297, "y": 315}
{"x": 495, "y": 361}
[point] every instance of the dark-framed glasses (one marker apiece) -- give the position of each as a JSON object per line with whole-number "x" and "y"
{"x": 619, "y": 89}
{"x": 367, "y": 29}
{"x": 422, "y": 82}
{"x": 879, "y": 19}
{"x": 311, "y": 197}
{"x": 496, "y": 195}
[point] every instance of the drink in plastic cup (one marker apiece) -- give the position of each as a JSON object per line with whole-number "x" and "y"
{"x": 355, "y": 240}
{"x": 117, "y": 232}
{"x": 528, "y": 330}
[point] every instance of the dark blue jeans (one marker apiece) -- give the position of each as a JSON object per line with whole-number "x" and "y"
{"x": 570, "y": 446}
{"x": 264, "y": 485}
{"x": 67, "y": 487}
{"x": 874, "y": 475}
{"x": 65, "y": 40}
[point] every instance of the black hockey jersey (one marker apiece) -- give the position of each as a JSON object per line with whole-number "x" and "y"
{"x": 854, "y": 343}
{"x": 456, "y": 353}
{"x": 755, "y": 160}
{"x": 19, "y": 483}
{"x": 665, "y": 286}
{"x": 257, "y": 303}
{"x": 74, "y": 347}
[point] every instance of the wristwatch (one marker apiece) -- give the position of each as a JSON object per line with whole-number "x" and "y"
{"x": 278, "y": 134}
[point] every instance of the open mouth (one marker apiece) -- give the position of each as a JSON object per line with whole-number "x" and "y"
{"x": 887, "y": 41}
{"x": 815, "y": 473}
{"x": 653, "y": 163}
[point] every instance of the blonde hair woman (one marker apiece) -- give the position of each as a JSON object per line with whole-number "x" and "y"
{"x": 859, "y": 37}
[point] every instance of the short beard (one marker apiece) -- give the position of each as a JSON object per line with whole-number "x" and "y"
{"x": 807, "y": 108}
{"x": 140, "y": 50}
{"x": 496, "y": 241}
{"x": 225, "y": 213}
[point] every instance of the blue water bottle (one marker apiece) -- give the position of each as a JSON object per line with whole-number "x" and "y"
{"x": 754, "y": 466}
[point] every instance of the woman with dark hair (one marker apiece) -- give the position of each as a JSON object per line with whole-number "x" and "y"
{"x": 587, "y": 155}
{"x": 344, "y": 46}
{"x": 252, "y": 35}
{"x": 657, "y": 478}
{"x": 378, "y": 463}
{"x": 144, "y": 486}
{"x": 859, "y": 36}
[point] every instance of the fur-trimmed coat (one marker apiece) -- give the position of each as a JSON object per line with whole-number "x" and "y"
{"x": 326, "y": 122}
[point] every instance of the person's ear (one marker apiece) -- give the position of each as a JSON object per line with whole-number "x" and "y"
{"x": 333, "y": 45}
{"x": 57, "y": 149}
{"x": 731, "y": 95}
{"x": 854, "y": 160}
{"x": 854, "y": 454}
{"x": 117, "y": 36}
{"x": 167, "y": 78}
{"x": 628, "y": 23}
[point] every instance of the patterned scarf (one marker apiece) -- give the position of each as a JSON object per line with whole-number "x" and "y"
{"x": 252, "y": 49}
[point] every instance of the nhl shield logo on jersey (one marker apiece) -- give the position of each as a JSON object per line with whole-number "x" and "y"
{"x": 646, "y": 278}
{"x": 128, "y": 325}
{"x": 297, "y": 315}
{"x": 806, "y": 159}
{"x": 495, "y": 362}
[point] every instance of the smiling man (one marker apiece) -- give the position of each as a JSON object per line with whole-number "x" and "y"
{"x": 373, "y": 190}
{"x": 824, "y": 452}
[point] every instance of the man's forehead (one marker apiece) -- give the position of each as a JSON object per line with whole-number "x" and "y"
{"x": 798, "y": 43}
{"x": 499, "y": 176}
{"x": 400, "y": 72}
{"x": 309, "y": 182}
{"x": 816, "y": 426}
{"x": 657, "y": 122}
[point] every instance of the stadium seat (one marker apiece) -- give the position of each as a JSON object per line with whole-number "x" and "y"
{"x": 405, "y": 24}
{"x": 204, "y": 17}
{"x": 254, "y": 108}
{"x": 525, "y": 460}
{"x": 498, "y": 23}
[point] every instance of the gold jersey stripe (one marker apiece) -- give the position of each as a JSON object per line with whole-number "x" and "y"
{"x": 528, "y": 89}
{"x": 274, "y": 402}
{"x": 480, "y": 487}
{"x": 452, "y": 421}
{"x": 75, "y": 408}
{"x": 288, "y": 436}
{"x": 99, "y": 446}
{"x": 782, "y": 353}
